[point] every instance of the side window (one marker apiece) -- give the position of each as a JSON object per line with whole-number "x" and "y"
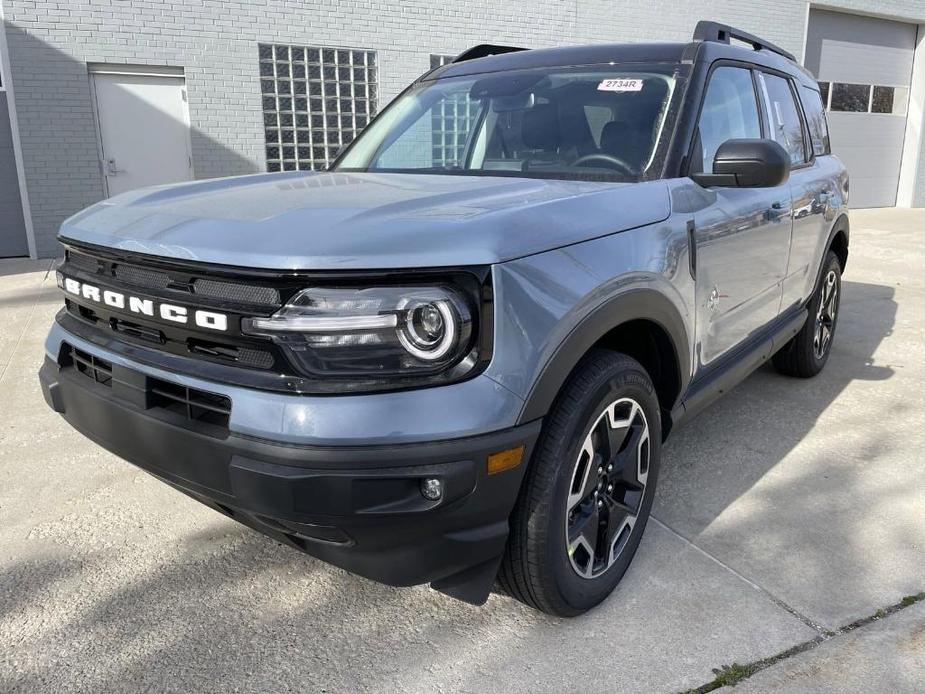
{"x": 729, "y": 112}
{"x": 784, "y": 121}
{"x": 814, "y": 111}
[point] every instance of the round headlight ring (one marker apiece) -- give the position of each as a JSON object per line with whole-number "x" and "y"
{"x": 414, "y": 338}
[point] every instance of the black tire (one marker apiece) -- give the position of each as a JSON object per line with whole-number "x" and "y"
{"x": 807, "y": 353}
{"x": 538, "y": 568}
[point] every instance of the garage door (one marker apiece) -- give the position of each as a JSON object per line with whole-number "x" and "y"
{"x": 864, "y": 66}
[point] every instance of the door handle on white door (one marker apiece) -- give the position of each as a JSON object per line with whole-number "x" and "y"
{"x": 111, "y": 169}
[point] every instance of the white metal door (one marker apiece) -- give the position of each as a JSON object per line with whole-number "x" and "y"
{"x": 864, "y": 67}
{"x": 144, "y": 130}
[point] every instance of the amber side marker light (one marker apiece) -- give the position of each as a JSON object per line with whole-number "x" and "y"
{"x": 505, "y": 460}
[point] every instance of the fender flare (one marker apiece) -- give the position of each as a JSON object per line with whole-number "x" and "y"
{"x": 633, "y": 304}
{"x": 841, "y": 225}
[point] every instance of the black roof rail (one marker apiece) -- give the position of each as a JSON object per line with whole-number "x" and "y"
{"x": 483, "y": 50}
{"x": 723, "y": 33}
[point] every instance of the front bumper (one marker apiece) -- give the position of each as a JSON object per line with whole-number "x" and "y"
{"x": 357, "y": 507}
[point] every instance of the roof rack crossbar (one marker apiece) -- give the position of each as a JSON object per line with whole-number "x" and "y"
{"x": 723, "y": 33}
{"x": 483, "y": 50}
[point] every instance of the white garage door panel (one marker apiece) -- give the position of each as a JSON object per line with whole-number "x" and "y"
{"x": 872, "y": 192}
{"x": 860, "y": 50}
{"x": 865, "y": 130}
{"x": 851, "y": 49}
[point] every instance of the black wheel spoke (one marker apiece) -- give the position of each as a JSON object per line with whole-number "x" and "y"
{"x": 607, "y": 487}
{"x": 825, "y": 314}
{"x": 618, "y": 520}
{"x": 616, "y": 438}
{"x": 583, "y": 536}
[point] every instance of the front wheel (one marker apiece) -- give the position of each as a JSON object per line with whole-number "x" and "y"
{"x": 806, "y": 354}
{"x": 584, "y": 505}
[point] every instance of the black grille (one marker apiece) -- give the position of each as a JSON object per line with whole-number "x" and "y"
{"x": 84, "y": 262}
{"x": 244, "y": 356}
{"x": 141, "y": 277}
{"x": 196, "y": 406}
{"x": 92, "y": 367}
{"x": 238, "y": 293}
{"x": 184, "y": 281}
{"x": 234, "y": 292}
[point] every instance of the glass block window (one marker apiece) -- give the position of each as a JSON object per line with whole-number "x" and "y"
{"x": 452, "y": 121}
{"x": 315, "y": 101}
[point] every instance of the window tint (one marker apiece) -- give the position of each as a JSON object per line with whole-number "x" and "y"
{"x": 786, "y": 128}
{"x": 601, "y": 124}
{"x": 729, "y": 112}
{"x": 815, "y": 119}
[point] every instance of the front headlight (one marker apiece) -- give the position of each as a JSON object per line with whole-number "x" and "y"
{"x": 401, "y": 331}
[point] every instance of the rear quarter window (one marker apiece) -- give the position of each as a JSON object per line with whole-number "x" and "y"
{"x": 815, "y": 120}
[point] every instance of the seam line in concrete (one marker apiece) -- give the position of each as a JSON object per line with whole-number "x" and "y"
{"x": 746, "y": 671}
{"x": 818, "y": 628}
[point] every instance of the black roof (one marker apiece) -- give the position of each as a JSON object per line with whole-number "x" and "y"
{"x": 710, "y": 41}
{"x": 566, "y": 55}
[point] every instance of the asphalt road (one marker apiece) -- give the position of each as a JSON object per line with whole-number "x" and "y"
{"x": 787, "y": 511}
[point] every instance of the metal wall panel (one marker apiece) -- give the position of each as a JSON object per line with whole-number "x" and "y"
{"x": 12, "y": 226}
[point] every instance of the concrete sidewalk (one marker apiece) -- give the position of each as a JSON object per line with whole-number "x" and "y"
{"x": 788, "y": 510}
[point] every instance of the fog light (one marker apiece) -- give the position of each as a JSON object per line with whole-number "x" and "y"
{"x": 431, "y": 488}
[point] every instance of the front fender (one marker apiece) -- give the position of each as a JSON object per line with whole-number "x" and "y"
{"x": 552, "y": 307}
{"x": 630, "y": 305}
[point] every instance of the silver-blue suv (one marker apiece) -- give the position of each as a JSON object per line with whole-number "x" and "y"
{"x": 454, "y": 357}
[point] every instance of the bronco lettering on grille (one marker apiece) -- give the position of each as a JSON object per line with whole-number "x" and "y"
{"x": 209, "y": 320}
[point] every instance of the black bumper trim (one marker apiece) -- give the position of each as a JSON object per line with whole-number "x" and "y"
{"x": 359, "y": 508}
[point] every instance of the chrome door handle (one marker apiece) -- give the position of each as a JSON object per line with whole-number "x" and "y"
{"x": 111, "y": 169}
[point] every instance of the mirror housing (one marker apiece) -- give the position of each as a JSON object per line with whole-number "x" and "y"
{"x": 752, "y": 163}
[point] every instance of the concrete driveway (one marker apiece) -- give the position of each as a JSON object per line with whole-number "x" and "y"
{"x": 787, "y": 515}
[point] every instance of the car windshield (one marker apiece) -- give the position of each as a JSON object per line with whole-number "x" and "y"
{"x": 589, "y": 123}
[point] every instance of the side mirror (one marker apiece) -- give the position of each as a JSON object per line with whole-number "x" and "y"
{"x": 747, "y": 164}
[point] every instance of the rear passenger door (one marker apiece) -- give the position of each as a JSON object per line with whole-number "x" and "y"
{"x": 743, "y": 236}
{"x": 797, "y": 122}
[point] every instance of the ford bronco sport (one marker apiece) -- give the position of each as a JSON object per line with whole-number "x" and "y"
{"x": 456, "y": 363}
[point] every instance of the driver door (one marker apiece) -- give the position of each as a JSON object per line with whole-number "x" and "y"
{"x": 743, "y": 237}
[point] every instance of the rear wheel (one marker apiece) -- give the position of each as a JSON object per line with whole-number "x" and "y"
{"x": 584, "y": 505}
{"x": 806, "y": 354}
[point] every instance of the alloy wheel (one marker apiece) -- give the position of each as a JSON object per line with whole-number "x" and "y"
{"x": 825, "y": 316}
{"x": 607, "y": 488}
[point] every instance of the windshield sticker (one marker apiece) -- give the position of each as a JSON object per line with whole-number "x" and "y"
{"x": 620, "y": 85}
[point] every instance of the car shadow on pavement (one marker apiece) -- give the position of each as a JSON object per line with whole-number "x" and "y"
{"x": 224, "y": 608}
{"x": 713, "y": 460}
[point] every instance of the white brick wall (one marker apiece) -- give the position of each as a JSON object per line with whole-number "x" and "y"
{"x": 215, "y": 41}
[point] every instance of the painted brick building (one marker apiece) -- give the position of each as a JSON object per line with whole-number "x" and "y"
{"x": 273, "y": 84}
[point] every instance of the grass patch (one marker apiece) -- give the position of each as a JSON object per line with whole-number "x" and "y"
{"x": 911, "y": 599}
{"x": 730, "y": 675}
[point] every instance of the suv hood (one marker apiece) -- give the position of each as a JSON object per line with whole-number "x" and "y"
{"x": 364, "y": 221}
